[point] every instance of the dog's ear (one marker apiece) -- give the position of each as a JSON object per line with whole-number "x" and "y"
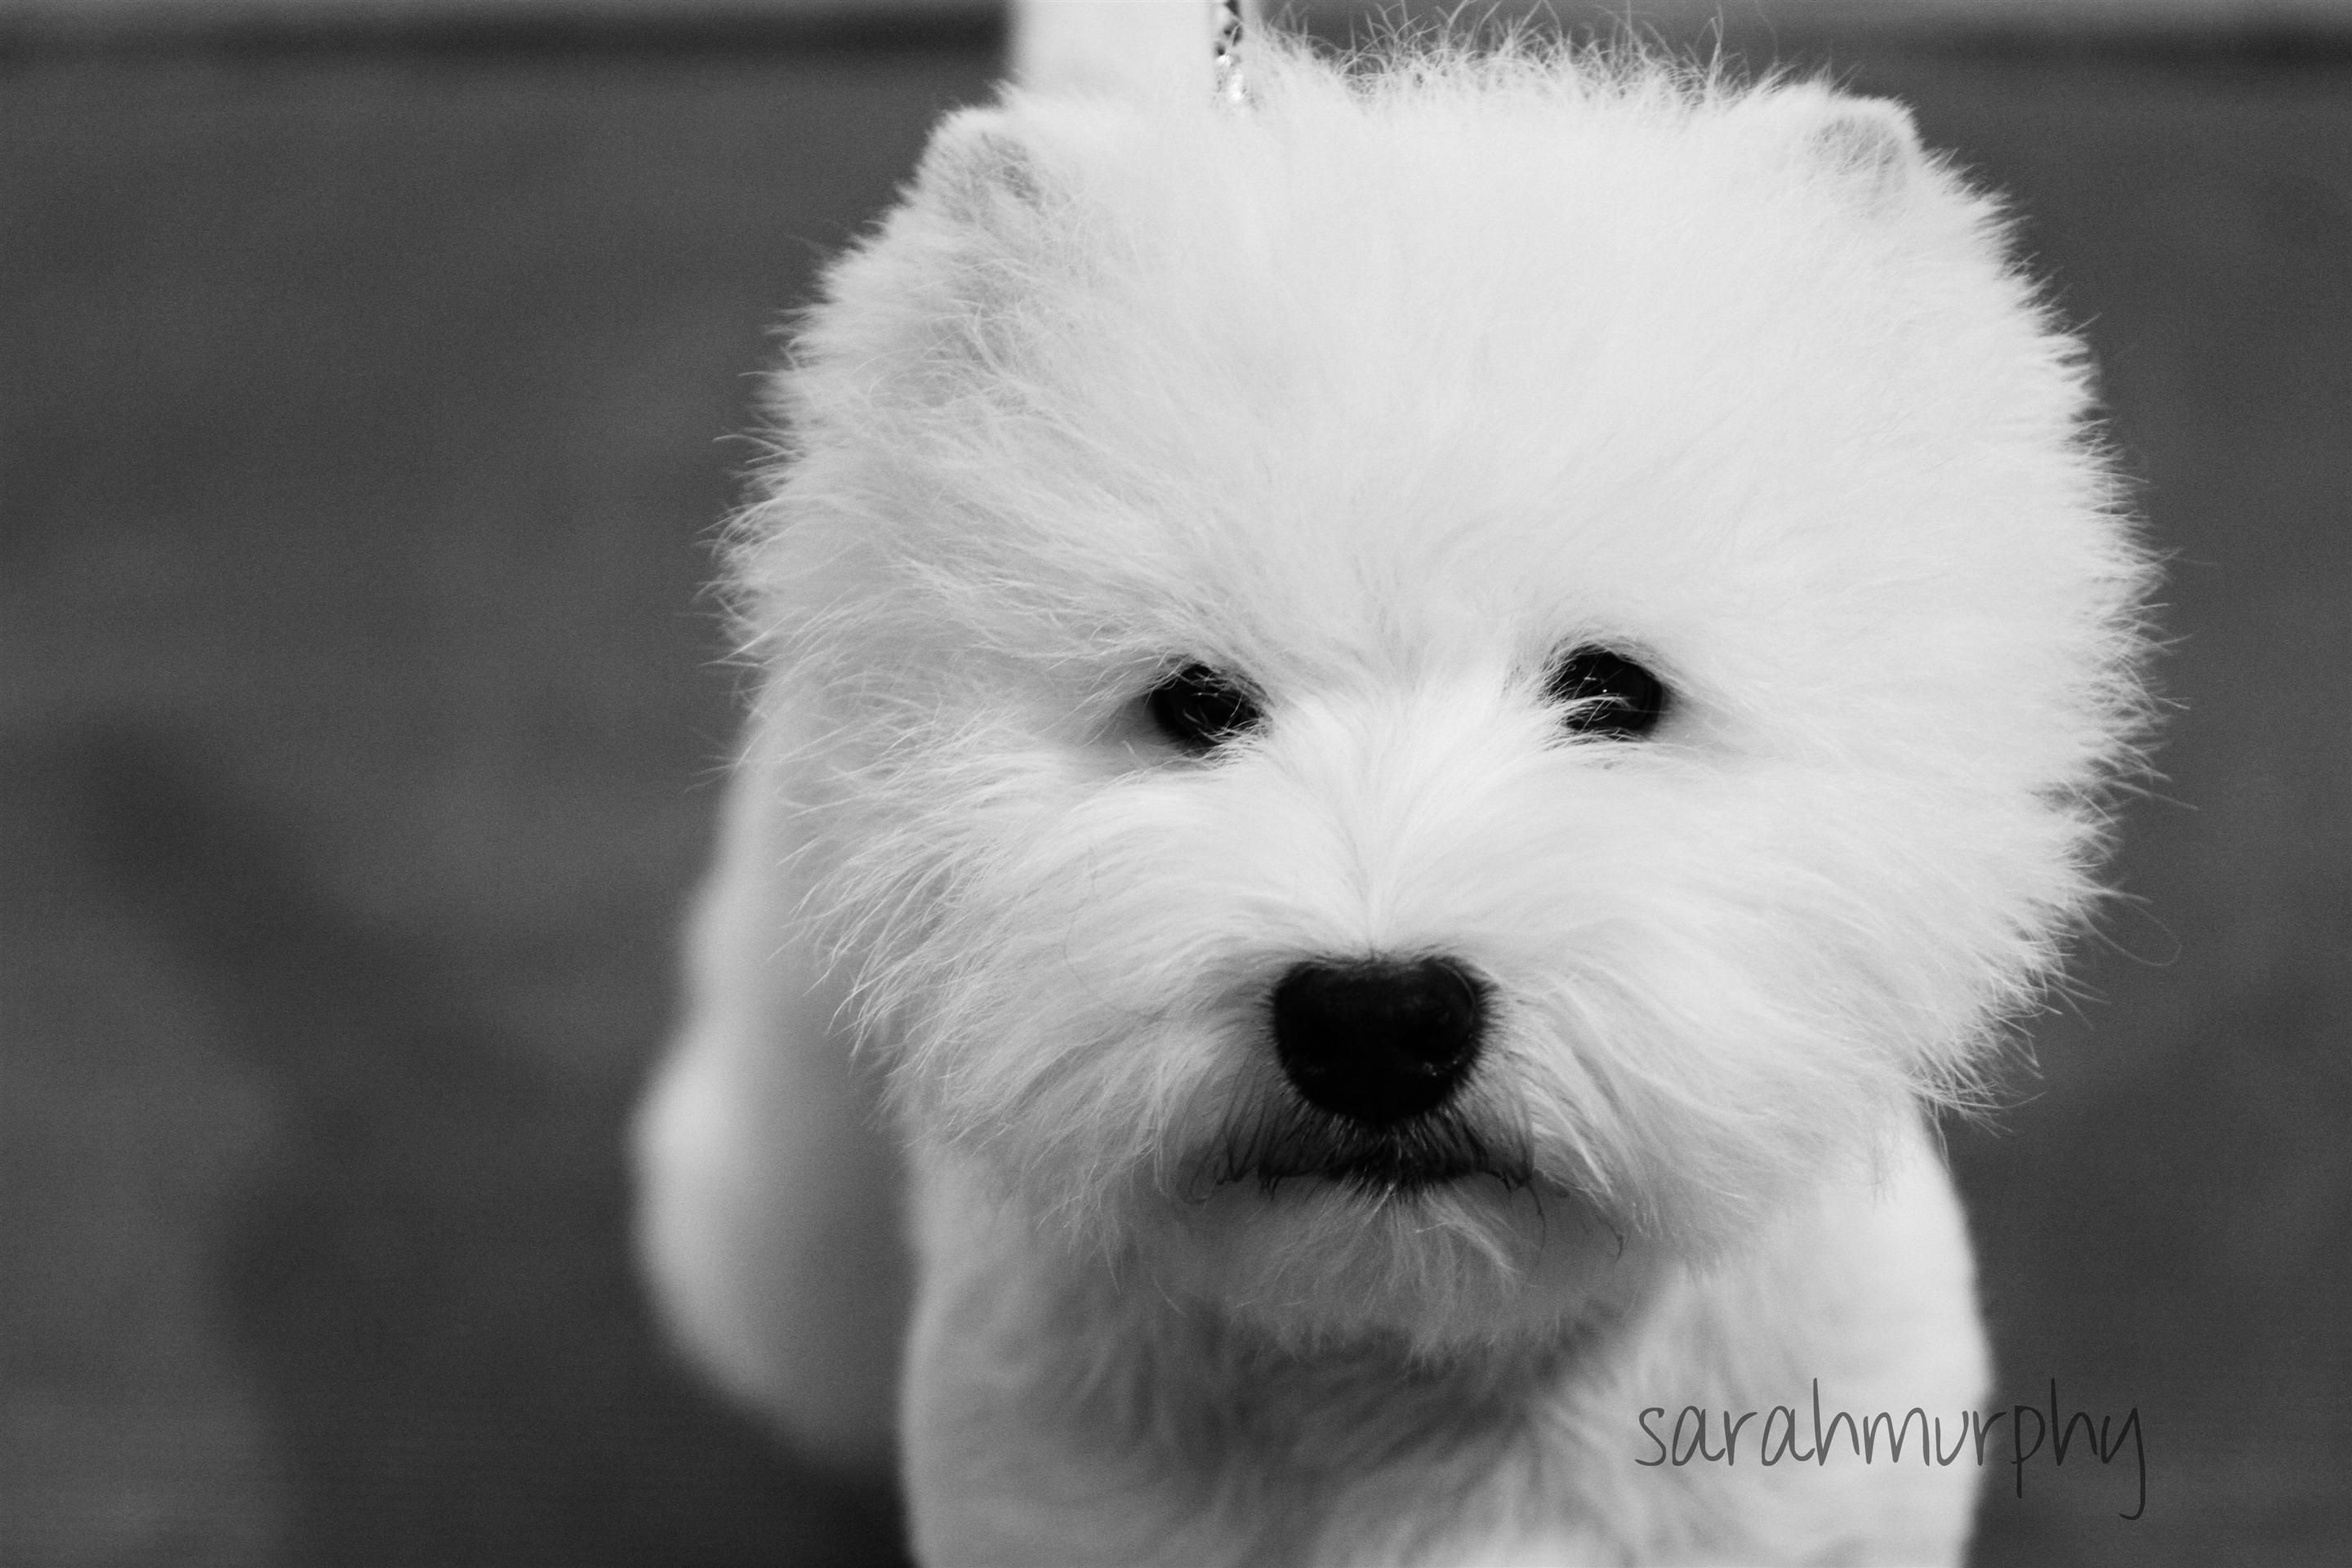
{"x": 979, "y": 172}
{"x": 1867, "y": 148}
{"x": 987, "y": 224}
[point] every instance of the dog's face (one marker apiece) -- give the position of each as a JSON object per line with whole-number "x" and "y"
{"x": 1410, "y": 708}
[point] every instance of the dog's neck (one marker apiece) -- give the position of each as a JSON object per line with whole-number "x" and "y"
{"x": 1194, "y": 1413}
{"x": 1170, "y": 1432}
{"x": 1246, "y": 1382}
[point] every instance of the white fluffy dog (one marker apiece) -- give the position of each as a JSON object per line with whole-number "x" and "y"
{"x": 1409, "y": 731}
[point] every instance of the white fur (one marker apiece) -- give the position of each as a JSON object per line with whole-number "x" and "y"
{"x": 1379, "y": 392}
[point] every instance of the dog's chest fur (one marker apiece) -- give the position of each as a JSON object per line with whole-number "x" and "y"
{"x": 1163, "y": 1436}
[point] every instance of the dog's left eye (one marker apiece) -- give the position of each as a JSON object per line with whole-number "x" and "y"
{"x": 1200, "y": 707}
{"x": 1606, "y": 694}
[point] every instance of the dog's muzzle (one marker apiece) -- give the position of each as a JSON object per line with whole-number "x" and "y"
{"x": 1376, "y": 1052}
{"x": 1378, "y": 1041}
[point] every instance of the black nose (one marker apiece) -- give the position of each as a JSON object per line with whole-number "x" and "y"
{"x": 1378, "y": 1040}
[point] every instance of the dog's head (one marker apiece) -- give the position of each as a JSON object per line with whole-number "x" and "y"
{"x": 1416, "y": 696}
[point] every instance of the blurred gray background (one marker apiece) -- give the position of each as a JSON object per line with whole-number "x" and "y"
{"x": 365, "y": 372}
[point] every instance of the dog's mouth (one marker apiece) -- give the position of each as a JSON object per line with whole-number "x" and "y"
{"x": 1435, "y": 1150}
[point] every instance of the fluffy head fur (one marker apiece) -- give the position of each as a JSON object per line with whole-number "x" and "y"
{"x": 1378, "y": 394}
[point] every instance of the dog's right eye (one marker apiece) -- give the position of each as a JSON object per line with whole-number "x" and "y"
{"x": 1199, "y": 708}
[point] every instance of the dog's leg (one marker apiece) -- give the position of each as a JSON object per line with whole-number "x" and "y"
{"x": 768, "y": 1214}
{"x": 1033, "y": 1408}
{"x": 1860, "y": 1303}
